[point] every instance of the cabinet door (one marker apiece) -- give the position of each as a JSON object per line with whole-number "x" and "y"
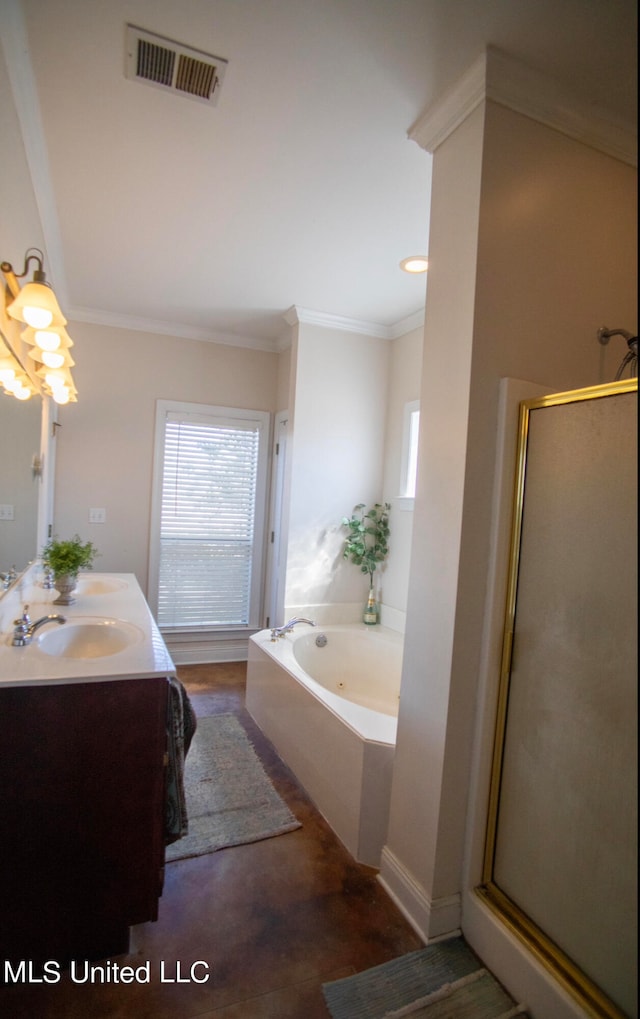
{"x": 82, "y": 793}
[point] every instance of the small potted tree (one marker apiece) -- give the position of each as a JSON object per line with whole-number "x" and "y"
{"x": 65, "y": 559}
{"x": 367, "y": 545}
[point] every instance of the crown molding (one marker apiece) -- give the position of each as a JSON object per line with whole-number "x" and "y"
{"x": 178, "y": 329}
{"x": 292, "y": 317}
{"x": 454, "y": 106}
{"x": 296, "y": 315}
{"x": 499, "y": 77}
{"x": 306, "y": 316}
{"x": 408, "y": 324}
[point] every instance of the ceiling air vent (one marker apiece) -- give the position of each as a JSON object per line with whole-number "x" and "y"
{"x": 169, "y": 65}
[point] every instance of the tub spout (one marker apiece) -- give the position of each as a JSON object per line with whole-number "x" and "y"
{"x": 279, "y": 631}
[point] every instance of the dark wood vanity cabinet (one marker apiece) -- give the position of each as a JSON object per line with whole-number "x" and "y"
{"x": 82, "y": 774}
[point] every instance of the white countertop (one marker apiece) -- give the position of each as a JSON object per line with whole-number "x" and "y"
{"x": 30, "y": 665}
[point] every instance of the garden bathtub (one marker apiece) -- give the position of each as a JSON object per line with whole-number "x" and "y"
{"x": 331, "y": 713}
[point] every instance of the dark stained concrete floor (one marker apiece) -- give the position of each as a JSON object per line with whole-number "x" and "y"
{"x": 267, "y": 924}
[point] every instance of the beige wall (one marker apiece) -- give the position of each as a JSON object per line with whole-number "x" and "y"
{"x": 346, "y": 395}
{"x": 104, "y": 455}
{"x": 284, "y": 380}
{"x": 557, "y": 256}
{"x": 336, "y": 459}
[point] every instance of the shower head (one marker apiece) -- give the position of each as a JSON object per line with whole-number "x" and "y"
{"x": 630, "y": 360}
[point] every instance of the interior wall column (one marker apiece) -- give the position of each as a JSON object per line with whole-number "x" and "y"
{"x": 421, "y": 863}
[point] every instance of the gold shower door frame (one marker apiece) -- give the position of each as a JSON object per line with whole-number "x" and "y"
{"x": 505, "y": 882}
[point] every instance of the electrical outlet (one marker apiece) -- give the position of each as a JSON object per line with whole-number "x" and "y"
{"x": 6, "y": 512}
{"x": 97, "y": 516}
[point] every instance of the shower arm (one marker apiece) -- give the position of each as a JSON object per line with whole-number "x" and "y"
{"x": 604, "y": 334}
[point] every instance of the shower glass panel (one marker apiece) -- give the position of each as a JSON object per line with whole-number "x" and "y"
{"x": 561, "y": 852}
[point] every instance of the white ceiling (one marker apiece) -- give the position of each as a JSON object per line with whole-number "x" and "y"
{"x": 300, "y": 187}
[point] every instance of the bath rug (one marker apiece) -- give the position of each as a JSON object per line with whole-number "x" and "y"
{"x": 229, "y": 797}
{"x": 443, "y": 981}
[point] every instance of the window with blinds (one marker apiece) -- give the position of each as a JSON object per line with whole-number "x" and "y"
{"x": 208, "y": 516}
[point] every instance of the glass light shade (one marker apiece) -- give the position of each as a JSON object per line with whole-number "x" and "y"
{"x": 7, "y": 371}
{"x": 22, "y": 392}
{"x": 37, "y": 317}
{"x": 36, "y": 304}
{"x": 47, "y": 339}
{"x": 55, "y": 379}
{"x": 59, "y": 382}
{"x": 52, "y": 359}
{"x": 17, "y": 386}
{"x": 62, "y": 394}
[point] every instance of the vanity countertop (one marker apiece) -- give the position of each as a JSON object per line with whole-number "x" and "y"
{"x": 112, "y": 596}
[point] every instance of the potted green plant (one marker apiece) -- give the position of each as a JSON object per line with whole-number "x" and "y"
{"x": 367, "y": 546}
{"x": 65, "y": 559}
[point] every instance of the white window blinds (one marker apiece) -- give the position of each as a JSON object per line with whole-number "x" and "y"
{"x": 211, "y": 499}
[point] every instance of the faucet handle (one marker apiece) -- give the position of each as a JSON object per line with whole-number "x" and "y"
{"x": 24, "y": 618}
{"x": 21, "y": 632}
{"x": 8, "y": 578}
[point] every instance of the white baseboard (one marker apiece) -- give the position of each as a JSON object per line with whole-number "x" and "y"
{"x": 431, "y": 919}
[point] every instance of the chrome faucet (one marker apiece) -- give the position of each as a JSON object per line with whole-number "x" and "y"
{"x": 279, "y": 631}
{"x": 8, "y": 578}
{"x": 25, "y": 629}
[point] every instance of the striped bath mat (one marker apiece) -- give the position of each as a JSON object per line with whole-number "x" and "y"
{"x": 442, "y": 981}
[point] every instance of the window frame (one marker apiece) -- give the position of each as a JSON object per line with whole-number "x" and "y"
{"x": 409, "y": 454}
{"x": 262, "y": 420}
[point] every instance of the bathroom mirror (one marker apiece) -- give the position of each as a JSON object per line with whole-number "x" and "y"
{"x": 26, "y": 479}
{"x": 20, "y": 426}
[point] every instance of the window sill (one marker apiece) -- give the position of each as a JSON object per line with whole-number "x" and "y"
{"x": 404, "y": 503}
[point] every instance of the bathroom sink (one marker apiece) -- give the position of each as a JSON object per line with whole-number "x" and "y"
{"x": 89, "y": 637}
{"x": 99, "y": 585}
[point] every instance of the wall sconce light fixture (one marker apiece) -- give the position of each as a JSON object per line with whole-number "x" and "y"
{"x": 36, "y": 306}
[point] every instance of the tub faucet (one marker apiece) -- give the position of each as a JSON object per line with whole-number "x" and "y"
{"x": 279, "y": 631}
{"x": 25, "y": 629}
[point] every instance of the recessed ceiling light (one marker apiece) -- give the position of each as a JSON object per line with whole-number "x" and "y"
{"x": 415, "y": 263}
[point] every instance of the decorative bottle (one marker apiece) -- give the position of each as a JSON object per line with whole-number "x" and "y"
{"x": 370, "y": 616}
